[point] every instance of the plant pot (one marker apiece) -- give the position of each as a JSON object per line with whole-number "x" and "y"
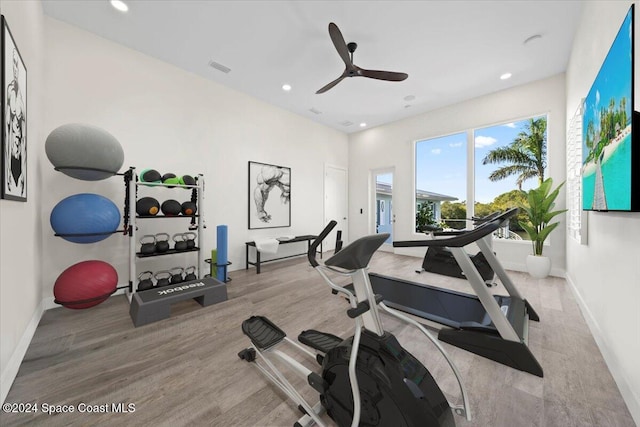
{"x": 538, "y": 266}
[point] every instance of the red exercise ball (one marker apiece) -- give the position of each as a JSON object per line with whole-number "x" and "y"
{"x": 85, "y": 284}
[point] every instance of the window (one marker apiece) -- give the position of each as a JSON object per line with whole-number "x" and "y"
{"x": 504, "y": 159}
{"x": 509, "y": 157}
{"x": 441, "y": 181}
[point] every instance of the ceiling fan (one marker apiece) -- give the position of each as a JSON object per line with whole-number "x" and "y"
{"x": 351, "y": 70}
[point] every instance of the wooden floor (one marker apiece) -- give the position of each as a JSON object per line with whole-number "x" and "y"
{"x": 184, "y": 370}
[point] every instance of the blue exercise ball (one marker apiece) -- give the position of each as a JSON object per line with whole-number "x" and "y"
{"x": 84, "y": 152}
{"x": 85, "y": 213}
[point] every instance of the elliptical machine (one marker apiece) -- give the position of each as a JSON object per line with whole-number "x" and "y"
{"x": 367, "y": 379}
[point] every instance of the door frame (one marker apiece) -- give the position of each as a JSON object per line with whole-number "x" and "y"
{"x": 345, "y": 229}
{"x": 372, "y": 202}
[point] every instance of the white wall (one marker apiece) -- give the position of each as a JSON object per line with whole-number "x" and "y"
{"x": 606, "y": 272}
{"x": 20, "y": 233}
{"x": 174, "y": 121}
{"x": 392, "y": 146}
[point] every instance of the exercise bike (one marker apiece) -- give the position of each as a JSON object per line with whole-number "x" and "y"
{"x": 367, "y": 379}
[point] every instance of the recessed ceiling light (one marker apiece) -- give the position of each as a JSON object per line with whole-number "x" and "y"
{"x": 286, "y": 87}
{"x": 120, "y": 5}
{"x": 363, "y": 124}
{"x": 505, "y": 76}
{"x": 409, "y": 97}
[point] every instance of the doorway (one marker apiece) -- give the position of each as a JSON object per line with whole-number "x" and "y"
{"x": 384, "y": 218}
{"x": 335, "y": 203}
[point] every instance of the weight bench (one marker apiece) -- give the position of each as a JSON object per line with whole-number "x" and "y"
{"x": 155, "y": 304}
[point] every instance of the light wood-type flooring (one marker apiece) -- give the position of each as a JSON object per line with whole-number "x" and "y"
{"x": 184, "y": 371}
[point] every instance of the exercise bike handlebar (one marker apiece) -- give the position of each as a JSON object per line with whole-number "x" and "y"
{"x": 314, "y": 246}
{"x": 463, "y": 238}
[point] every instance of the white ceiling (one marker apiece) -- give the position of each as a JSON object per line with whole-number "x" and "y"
{"x": 452, "y": 50}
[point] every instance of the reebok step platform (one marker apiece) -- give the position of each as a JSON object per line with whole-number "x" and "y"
{"x": 155, "y": 304}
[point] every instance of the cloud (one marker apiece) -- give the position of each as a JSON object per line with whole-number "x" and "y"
{"x": 510, "y": 125}
{"x": 484, "y": 141}
{"x": 456, "y": 144}
{"x": 436, "y": 151}
{"x": 597, "y": 97}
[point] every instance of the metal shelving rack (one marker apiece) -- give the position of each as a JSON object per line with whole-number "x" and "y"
{"x": 134, "y": 183}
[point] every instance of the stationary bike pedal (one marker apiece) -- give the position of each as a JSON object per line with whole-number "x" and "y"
{"x": 262, "y": 332}
{"x": 320, "y": 341}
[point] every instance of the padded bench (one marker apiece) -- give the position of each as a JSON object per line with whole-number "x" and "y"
{"x": 307, "y": 238}
{"x": 155, "y": 304}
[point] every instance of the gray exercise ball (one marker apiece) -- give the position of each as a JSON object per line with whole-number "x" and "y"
{"x": 84, "y": 152}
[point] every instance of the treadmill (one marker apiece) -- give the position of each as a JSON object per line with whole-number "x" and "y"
{"x": 492, "y": 326}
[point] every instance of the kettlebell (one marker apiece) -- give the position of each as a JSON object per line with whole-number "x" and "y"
{"x": 190, "y": 273}
{"x": 149, "y": 247}
{"x": 145, "y": 281}
{"x": 163, "y": 278}
{"x": 180, "y": 244}
{"x": 162, "y": 242}
{"x": 176, "y": 275}
{"x": 190, "y": 238}
{"x": 189, "y": 208}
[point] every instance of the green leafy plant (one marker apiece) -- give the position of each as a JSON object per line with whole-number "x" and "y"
{"x": 539, "y": 213}
{"x": 424, "y": 216}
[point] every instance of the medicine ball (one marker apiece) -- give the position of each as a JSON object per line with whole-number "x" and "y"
{"x": 171, "y": 207}
{"x": 150, "y": 175}
{"x": 170, "y": 178}
{"x": 147, "y": 206}
{"x": 189, "y": 208}
{"x": 187, "y": 180}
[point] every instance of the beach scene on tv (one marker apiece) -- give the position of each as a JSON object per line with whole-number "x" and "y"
{"x": 606, "y": 129}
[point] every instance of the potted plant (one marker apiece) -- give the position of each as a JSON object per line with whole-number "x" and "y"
{"x": 539, "y": 213}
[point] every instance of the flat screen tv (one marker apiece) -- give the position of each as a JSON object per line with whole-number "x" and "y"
{"x": 611, "y": 131}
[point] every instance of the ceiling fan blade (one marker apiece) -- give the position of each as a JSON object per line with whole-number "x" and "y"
{"x": 383, "y": 75}
{"x": 330, "y": 85}
{"x": 339, "y": 43}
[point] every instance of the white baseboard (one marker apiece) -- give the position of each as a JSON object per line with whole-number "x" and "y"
{"x": 632, "y": 401}
{"x": 11, "y": 370}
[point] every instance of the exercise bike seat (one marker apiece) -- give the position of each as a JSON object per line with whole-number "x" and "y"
{"x": 358, "y": 254}
{"x": 262, "y": 332}
{"x": 320, "y": 341}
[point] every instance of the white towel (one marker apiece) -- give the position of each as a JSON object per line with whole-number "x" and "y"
{"x": 267, "y": 246}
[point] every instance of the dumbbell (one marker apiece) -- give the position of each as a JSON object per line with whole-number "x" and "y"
{"x": 163, "y": 278}
{"x": 162, "y": 242}
{"x": 190, "y": 238}
{"x": 149, "y": 247}
{"x": 190, "y": 273}
{"x": 145, "y": 281}
{"x": 180, "y": 243}
{"x": 176, "y": 275}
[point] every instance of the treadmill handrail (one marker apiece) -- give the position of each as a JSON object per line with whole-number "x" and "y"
{"x": 464, "y": 238}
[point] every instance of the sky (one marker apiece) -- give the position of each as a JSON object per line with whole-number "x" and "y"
{"x": 441, "y": 163}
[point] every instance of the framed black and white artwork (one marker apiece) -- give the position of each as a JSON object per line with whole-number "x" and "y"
{"x": 13, "y": 80}
{"x": 269, "y": 196}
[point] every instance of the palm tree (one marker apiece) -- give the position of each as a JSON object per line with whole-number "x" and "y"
{"x": 526, "y": 155}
